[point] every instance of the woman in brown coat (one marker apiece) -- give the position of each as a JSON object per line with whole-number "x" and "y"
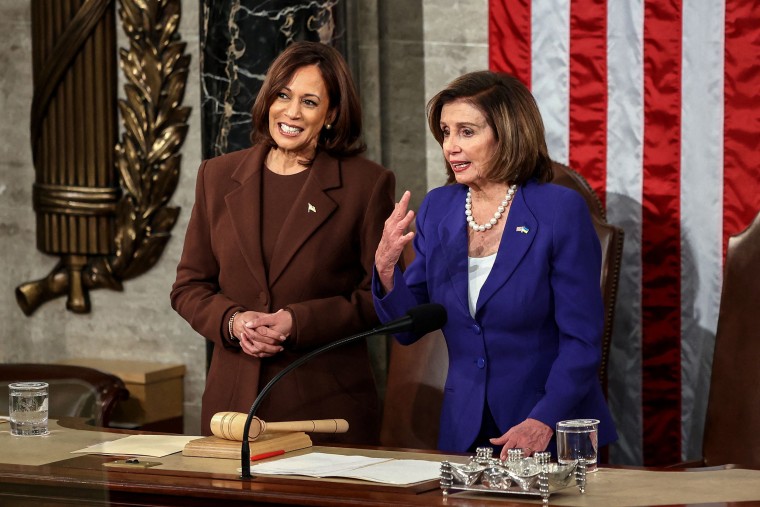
{"x": 279, "y": 251}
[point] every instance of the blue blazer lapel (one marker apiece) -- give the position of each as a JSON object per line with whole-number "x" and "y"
{"x": 452, "y": 233}
{"x": 519, "y": 233}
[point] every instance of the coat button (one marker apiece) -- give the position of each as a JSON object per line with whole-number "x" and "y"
{"x": 481, "y": 363}
{"x": 476, "y": 329}
{"x": 263, "y": 297}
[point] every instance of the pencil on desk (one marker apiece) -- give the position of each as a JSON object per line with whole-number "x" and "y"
{"x": 265, "y": 455}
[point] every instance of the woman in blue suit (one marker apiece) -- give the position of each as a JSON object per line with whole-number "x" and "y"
{"x": 516, "y": 263}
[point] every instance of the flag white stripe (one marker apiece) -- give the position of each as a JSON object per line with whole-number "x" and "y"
{"x": 625, "y": 133}
{"x": 550, "y": 63}
{"x": 701, "y": 209}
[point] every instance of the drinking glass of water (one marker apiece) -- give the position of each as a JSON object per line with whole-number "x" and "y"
{"x": 576, "y": 439}
{"x": 28, "y": 408}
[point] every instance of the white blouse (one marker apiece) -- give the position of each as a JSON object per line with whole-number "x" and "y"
{"x": 478, "y": 269}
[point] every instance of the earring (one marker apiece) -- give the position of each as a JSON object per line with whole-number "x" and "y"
{"x": 328, "y": 126}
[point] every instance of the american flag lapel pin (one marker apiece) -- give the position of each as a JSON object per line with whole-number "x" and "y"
{"x": 523, "y": 229}
{"x": 311, "y": 209}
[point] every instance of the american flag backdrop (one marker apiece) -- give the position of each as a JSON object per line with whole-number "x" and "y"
{"x": 657, "y": 104}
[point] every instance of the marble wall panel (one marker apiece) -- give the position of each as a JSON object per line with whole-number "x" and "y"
{"x": 239, "y": 40}
{"x": 402, "y": 84}
{"x": 364, "y": 48}
{"x": 21, "y": 260}
{"x": 363, "y": 55}
{"x": 455, "y": 43}
{"x": 15, "y": 150}
{"x": 455, "y": 22}
{"x": 443, "y": 64}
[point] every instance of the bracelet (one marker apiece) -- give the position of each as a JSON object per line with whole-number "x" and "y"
{"x": 229, "y": 327}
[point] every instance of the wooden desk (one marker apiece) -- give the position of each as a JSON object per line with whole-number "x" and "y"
{"x": 47, "y": 474}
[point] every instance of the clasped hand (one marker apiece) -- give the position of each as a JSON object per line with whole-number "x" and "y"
{"x": 262, "y": 334}
{"x": 393, "y": 241}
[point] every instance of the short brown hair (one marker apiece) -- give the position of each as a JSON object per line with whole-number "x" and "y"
{"x": 344, "y": 138}
{"x": 512, "y": 114}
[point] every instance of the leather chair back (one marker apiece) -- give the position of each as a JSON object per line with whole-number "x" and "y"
{"x": 732, "y": 424}
{"x": 611, "y": 240}
{"x": 74, "y": 391}
{"x": 417, "y": 372}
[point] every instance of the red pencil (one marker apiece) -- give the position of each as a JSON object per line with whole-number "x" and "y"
{"x": 265, "y": 455}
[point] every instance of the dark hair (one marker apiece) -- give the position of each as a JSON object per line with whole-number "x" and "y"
{"x": 513, "y": 115}
{"x": 344, "y": 137}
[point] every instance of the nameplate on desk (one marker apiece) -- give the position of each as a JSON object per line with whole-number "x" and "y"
{"x": 131, "y": 463}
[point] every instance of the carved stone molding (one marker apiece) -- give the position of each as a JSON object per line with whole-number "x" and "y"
{"x": 101, "y": 205}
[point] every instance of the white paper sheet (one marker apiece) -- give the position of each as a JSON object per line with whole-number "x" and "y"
{"x": 384, "y": 470}
{"x": 140, "y": 445}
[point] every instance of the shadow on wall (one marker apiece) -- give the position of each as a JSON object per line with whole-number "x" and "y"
{"x": 625, "y": 369}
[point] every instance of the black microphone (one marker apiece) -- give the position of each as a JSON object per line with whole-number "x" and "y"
{"x": 420, "y": 320}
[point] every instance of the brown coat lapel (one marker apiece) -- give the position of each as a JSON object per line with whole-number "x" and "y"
{"x": 312, "y": 208}
{"x": 244, "y": 205}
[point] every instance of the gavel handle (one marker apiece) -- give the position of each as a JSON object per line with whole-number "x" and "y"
{"x": 318, "y": 426}
{"x": 230, "y": 426}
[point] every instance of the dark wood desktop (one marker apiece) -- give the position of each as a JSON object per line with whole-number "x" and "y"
{"x": 83, "y": 480}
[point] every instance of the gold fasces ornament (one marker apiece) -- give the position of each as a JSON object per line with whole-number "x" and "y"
{"x": 120, "y": 222}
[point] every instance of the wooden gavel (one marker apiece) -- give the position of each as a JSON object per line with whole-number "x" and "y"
{"x": 229, "y": 426}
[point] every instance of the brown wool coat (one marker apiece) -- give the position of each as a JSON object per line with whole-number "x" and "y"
{"x": 321, "y": 270}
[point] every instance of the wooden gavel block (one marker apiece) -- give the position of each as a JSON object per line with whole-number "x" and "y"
{"x": 229, "y": 425}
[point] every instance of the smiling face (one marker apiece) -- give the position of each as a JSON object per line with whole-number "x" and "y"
{"x": 299, "y": 112}
{"x": 469, "y": 142}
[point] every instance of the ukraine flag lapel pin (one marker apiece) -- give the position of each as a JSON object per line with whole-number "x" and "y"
{"x": 523, "y": 229}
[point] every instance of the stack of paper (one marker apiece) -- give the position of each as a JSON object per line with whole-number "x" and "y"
{"x": 384, "y": 470}
{"x": 140, "y": 445}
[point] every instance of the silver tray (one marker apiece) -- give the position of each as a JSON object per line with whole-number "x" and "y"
{"x": 535, "y": 477}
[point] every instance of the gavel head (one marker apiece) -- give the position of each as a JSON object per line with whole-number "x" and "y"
{"x": 229, "y": 425}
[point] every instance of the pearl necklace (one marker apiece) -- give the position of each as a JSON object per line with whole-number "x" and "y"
{"x": 496, "y": 216}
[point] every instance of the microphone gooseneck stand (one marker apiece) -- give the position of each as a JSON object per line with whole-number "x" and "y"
{"x": 420, "y": 319}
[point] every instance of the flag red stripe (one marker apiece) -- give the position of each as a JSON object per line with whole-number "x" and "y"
{"x": 661, "y": 252}
{"x": 588, "y": 92}
{"x": 509, "y": 38}
{"x": 741, "y": 176}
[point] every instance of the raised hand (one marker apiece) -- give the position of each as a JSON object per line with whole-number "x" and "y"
{"x": 395, "y": 237}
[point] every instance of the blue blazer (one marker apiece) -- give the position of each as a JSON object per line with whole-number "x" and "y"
{"x": 534, "y": 346}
